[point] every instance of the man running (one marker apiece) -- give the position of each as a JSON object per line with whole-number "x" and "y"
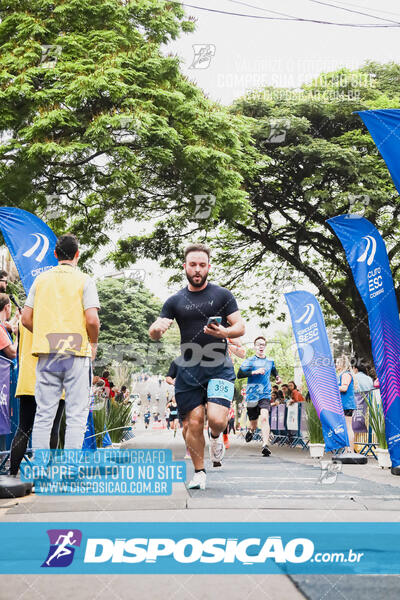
{"x": 205, "y": 373}
{"x": 258, "y": 370}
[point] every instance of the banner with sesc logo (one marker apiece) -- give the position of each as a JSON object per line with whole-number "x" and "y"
{"x": 366, "y": 254}
{"x": 317, "y": 362}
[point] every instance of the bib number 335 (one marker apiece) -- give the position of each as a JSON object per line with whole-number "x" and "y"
{"x": 220, "y": 388}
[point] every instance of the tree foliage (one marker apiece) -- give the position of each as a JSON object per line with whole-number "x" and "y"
{"x": 98, "y": 125}
{"x": 315, "y": 159}
{"x": 127, "y": 311}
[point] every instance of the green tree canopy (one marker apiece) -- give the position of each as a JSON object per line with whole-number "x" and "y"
{"x": 97, "y": 123}
{"x": 315, "y": 159}
{"x": 127, "y": 311}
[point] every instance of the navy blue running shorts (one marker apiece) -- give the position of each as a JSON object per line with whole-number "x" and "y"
{"x": 190, "y": 399}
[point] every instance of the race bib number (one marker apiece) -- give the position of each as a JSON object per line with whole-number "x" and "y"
{"x": 220, "y": 388}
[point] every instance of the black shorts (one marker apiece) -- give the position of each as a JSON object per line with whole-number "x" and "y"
{"x": 253, "y": 412}
{"x": 190, "y": 399}
{"x": 348, "y": 412}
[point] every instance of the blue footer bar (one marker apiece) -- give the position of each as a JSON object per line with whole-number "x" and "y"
{"x": 206, "y": 548}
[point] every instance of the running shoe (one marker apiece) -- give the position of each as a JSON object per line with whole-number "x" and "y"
{"x": 217, "y": 449}
{"x": 198, "y": 481}
{"x": 266, "y": 451}
{"x": 217, "y": 466}
{"x": 249, "y": 435}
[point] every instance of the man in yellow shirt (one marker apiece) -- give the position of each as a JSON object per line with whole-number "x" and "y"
{"x": 27, "y": 403}
{"x": 62, "y": 313}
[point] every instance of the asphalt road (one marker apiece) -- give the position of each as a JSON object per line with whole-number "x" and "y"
{"x": 289, "y": 486}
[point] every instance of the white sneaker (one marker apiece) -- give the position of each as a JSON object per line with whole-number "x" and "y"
{"x": 217, "y": 449}
{"x": 198, "y": 482}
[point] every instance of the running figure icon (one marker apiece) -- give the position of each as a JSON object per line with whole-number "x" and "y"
{"x": 63, "y": 543}
{"x": 62, "y": 549}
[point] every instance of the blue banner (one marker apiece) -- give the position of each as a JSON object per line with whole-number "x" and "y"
{"x": 106, "y": 439}
{"x": 200, "y": 548}
{"x": 89, "y": 441}
{"x": 384, "y": 127}
{"x": 30, "y": 241}
{"x": 317, "y": 362}
{"x": 5, "y": 423}
{"x": 366, "y": 254}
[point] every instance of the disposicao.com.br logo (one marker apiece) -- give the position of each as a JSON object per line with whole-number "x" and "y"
{"x": 200, "y": 547}
{"x": 247, "y": 551}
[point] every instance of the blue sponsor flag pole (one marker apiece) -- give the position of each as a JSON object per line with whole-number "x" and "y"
{"x": 366, "y": 254}
{"x": 317, "y": 362}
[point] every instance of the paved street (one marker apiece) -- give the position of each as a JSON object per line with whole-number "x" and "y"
{"x": 285, "y": 487}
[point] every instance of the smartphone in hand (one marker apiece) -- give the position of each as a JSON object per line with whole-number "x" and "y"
{"x": 214, "y": 321}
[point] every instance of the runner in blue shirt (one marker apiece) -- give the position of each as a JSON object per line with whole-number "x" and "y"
{"x": 258, "y": 369}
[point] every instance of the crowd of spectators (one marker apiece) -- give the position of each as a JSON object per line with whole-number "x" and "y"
{"x": 287, "y": 394}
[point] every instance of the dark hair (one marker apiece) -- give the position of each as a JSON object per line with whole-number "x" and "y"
{"x": 3, "y": 275}
{"x": 260, "y": 337}
{"x": 294, "y": 385}
{"x": 66, "y": 246}
{"x": 111, "y": 385}
{"x": 280, "y": 394}
{"x": 4, "y": 300}
{"x": 106, "y": 374}
{"x": 123, "y": 389}
{"x": 197, "y": 248}
{"x": 275, "y": 386}
{"x": 285, "y": 385}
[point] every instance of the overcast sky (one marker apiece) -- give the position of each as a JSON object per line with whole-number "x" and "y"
{"x": 252, "y": 52}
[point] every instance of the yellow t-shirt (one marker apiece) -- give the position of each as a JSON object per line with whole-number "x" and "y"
{"x": 59, "y": 323}
{"x": 27, "y": 364}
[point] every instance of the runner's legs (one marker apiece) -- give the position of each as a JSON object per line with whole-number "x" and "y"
{"x": 350, "y": 432}
{"x": 264, "y": 425}
{"x": 217, "y": 417}
{"x": 193, "y": 434}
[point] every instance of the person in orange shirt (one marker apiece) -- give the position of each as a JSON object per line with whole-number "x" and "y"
{"x": 294, "y": 393}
